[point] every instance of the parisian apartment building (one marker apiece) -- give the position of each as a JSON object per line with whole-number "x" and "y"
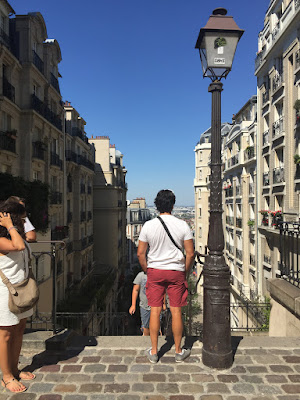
{"x": 137, "y": 215}
{"x": 43, "y": 139}
{"x": 109, "y": 215}
{"x": 261, "y": 153}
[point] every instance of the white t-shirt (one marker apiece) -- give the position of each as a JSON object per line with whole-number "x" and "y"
{"x": 28, "y": 226}
{"x": 163, "y": 254}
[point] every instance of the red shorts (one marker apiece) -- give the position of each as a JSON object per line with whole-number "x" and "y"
{"x": 159, "y": 280}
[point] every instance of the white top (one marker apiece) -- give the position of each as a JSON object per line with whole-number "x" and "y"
{"x": 163, "y": 254}
{"x": 14, "y": 265}
{"x": 28, "y": 226}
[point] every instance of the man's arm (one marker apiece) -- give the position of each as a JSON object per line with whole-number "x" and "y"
{"x": 141, "y": 255}
{"x": 190, "y": 255}
{"x": 134, "y": 296}
{"x": 30, "y": 236}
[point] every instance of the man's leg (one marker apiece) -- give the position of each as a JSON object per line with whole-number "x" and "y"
{"x": 177, "y": 327}
{"x": 154, "y": 327}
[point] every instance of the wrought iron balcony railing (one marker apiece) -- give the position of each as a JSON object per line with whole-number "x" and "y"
{"x": 56, "y": 198}
{"x": 8, "y": 90}
{"x": 277, "y": 82}
{"x": 266, "y": 178}
{"x": 38, "y": 150}
{"x": 37, "y": 61}
{"x": 42, "y": 108}
{"x": 266, "y": 140}
{"x": 55, "y": 160}
{"x": 278, "y": 128}
{"x": 278, "y": 175}
{"x": 7, "y": 142}
{"x": 54, "y": 82}
{"x": 78, "y": 132}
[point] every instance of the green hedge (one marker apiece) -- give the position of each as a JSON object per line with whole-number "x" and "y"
{"x": 35, "y": 193}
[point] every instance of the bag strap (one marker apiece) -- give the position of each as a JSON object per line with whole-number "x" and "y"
{"x": 168, "y": 232}
{"x": 6, "y": 282}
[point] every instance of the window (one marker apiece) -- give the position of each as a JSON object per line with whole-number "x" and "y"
{"x": 6, "y": 121}
{"x": 199, "y": 193}
{"x": 200, "y": 212}
{"x": 200, "y": 156}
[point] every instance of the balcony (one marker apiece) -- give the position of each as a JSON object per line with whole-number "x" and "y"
{"x": 234, "y": 160}
{"x": 55, "y": 160}
{"x": 85, "y": 162}
{"x": 8, "y": 90}
{"x": 266, "y": 140}
{"x": 54, "y": 82}
{"x": 37, "y": 61}
{"x": 252, "y": 259}
{"x": 82, "y": 216}
{"x": 90, "y": 239}
{"x": 278, "y": 175}
{"x": 229, "y": 220}
{"x": 238, "y": 190}
{"x": 259, "y": 59}
{"x": 56, "y": 198}
{"x": 276, "y": 31}
{"x": 69, "y": 217}
{"x": 229, "y": 192}
{"x": 267, "y": 259}
{"x": 289, "y": 252}
{"x": 38, "y": 150}
{"x": 239, "y": 254}
{"x": 251, "y": 189}
{"x": 59, "y": 233}
{"x": 4, "y": 38}
{"x": 76, "y": 132}
{"x": 8, "y": 141}
{"x": 249, "y": 153}
{"x": 71, "y": 156}
{"x": 239, "y": 222}
{"x": 277, "y": 82}
{"x": 278, "y": 128}
{"x": 266, "y": 179}
{"x": 42, "y": 108}
{"x": 265, "y": 97}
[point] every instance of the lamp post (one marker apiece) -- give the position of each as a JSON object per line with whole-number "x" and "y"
{"x": 217, "y": 43}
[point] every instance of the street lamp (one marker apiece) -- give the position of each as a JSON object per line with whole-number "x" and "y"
{"x": 217, "y": 43}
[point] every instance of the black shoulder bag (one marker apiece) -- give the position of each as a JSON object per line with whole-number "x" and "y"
{"x": 169, "y": 234}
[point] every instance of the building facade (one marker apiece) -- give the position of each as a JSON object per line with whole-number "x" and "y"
{"x": 277, "y": 68}
{"x": 201, "y": 188}
{"x": 137, "y": 215}
{"x": 109, "y": 213}
{"x": 239, "y": 199}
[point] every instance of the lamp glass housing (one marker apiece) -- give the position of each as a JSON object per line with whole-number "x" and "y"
{"x": 217, "y": 51}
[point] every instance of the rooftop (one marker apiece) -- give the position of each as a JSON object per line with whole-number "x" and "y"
{"x": 94, "y": 368}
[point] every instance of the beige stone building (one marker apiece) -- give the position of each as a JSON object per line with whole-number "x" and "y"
{"x": 80, "y": 163}
{"x": 239, "y": 199}
{"x": 109, "y": 213}
{"x": 137, "y": 215}
{"x": 277, "y": 67}
{"x": 32, "y": 138}
{"x": 201, "y": 187}
{"x": 33, "y": 143}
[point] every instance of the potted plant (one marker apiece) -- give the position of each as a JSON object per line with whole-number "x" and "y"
{"x": 265, "y": 219}
{"x": 251, "y": 222}
{"x": 297, "y": 159}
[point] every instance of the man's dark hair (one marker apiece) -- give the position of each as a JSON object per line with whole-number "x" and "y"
{"x": 164, "y": 201}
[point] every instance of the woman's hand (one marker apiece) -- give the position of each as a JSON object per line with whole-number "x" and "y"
{"x": 5, "y": 220}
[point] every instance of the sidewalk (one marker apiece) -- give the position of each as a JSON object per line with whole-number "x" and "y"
{"x": 115, "y": 368}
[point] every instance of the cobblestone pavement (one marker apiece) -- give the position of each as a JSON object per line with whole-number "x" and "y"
{"x": 115, "y": 368}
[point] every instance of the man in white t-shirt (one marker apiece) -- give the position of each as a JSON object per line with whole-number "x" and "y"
{"x": 166, "y": 269}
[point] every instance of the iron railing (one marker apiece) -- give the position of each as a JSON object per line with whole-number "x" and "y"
{"x": 250, "y": 316}
{"x": 289, "y": 250}
{"x": 9, "y": 90}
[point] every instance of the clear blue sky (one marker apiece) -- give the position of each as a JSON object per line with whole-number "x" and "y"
{"x": 130, "y": 69}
